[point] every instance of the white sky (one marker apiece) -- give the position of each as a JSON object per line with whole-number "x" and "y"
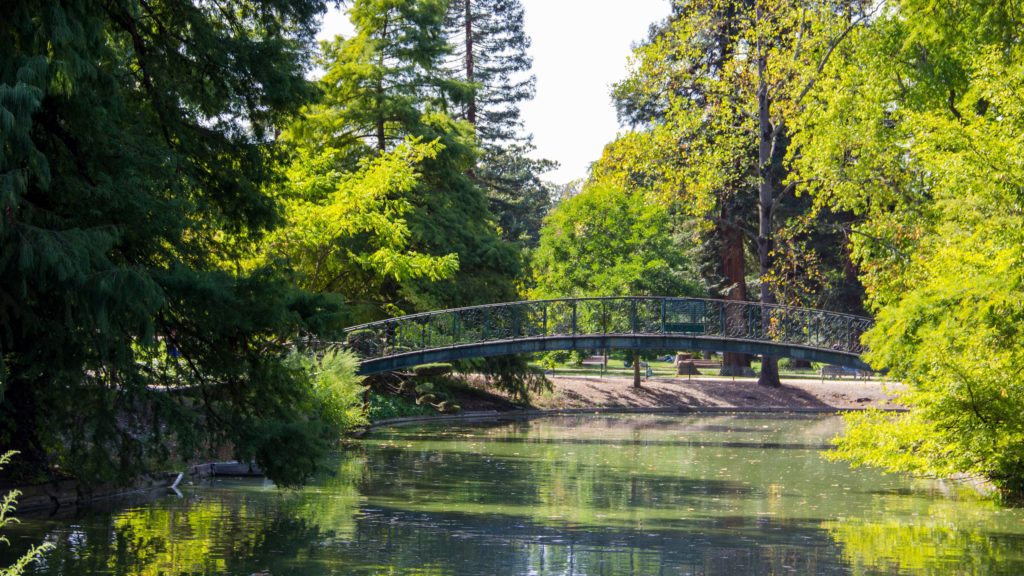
{"x": 579, "y": 50}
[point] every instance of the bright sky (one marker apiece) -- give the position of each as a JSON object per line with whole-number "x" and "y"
{"x": 579, "y": 50}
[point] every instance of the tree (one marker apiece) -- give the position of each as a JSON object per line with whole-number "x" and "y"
{"x": 136, "y": 143}
{"x": 380, "y": 80}
{"x": 387, "y": 84}
{"x": 723, "y": 77}
{"x": 519, "y": 198}
{"x": 917, "y": 128}
{"x": 606, "y": 241}
{"x": 650, "y": 160}
{"x": 490, "y": 54}
{"x": 345, "y": 232}
{"x": 609, "y": 242}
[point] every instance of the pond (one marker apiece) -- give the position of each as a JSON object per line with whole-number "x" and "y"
{"x": 692, "y": 494}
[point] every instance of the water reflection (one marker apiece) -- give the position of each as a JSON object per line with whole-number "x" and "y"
{"x": 581, "y": 495}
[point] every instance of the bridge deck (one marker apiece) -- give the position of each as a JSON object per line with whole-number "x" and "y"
{"x": 620, "y": 323}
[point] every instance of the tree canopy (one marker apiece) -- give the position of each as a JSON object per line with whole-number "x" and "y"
{"x": 606, "y": 241}
{"x": 190, "y": 193}
{"x": 137, "y": 138}
{"x": 917, "y": 130}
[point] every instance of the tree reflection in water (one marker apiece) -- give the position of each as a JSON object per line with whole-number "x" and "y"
{"x": 582, "y": 495}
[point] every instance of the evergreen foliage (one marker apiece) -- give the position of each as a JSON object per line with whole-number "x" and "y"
{"x": 518, "y": 197}
{"x": 135, "y": 144}
{"x": 490, "y": 53}
{"x": 387, "y": 84}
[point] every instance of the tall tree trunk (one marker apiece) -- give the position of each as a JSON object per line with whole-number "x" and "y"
{"x": 471, "y": 108}
{"x": 767, "y": 137}
{"x": 734, "y": 270}
{"x": 381, "y": 136}
{"x": 734, "y": 261}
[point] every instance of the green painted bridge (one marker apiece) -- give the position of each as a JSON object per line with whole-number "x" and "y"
{"x": 652, "y": 323}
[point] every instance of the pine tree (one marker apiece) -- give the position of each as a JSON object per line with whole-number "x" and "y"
{"x": 380, "y": 79}
{"x": 490, "y": 54}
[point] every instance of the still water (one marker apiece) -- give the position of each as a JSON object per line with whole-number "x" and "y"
{"x": 710, "y": 495}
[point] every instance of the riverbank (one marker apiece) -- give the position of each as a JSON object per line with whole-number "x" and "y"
{"x": 716, "y": 392}
{"x": 706, "y": 394}
{"x": 569, "y": 394}
{"x": 579, "y": 392}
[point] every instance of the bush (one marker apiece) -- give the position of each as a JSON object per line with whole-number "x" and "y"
{"x": 386, "y": 406}
{"x": 432, "y": 370}
{"x": 339, "y": 391}
{"x": 362, "y": 341}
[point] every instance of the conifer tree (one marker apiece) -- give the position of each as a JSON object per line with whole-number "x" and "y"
{"x": 135, "y": 138}
{"x": 380, "y": 79}
{"x": 490, "y": 53}
{"x": 386, "y": 84}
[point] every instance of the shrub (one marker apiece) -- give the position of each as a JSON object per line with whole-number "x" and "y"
{"x": 386, "y": 406}
{"x": 340, "y": 390}
{"x": 432, "y": 370}
{"x": 361, "y": 341}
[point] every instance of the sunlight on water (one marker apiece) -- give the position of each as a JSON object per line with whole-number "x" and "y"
{"x": 710, "y": 495}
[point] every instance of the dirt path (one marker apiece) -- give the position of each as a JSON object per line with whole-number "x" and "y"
{"x": 617, "y": 392}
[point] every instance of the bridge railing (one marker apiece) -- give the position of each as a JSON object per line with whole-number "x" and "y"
{"x": 640, "y": 316}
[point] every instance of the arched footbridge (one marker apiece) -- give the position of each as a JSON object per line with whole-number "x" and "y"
{"x": 659, "y": 323}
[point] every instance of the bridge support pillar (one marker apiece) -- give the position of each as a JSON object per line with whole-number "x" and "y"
{"x": 636, "y": 369}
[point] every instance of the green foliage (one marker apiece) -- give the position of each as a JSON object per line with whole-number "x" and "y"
{"x": 490, "y": 40}
{"x": 345, "y": 232}
{"x": 339, "y": 391}
{"x": 377, "y": 81}
{"x": 429, "y": 370}
{"x": 386, "y": 406}
{"x": 496, "y": 49}
{"x": 918, "y": 128}
{"x": 609, "y": 242}
{"x": 7, "y": 507}
{"x": 693, "y": 90}
{"x": 387, "y": 86}
{"x": 136, "y": 143}
{"x": 517, "y": 195}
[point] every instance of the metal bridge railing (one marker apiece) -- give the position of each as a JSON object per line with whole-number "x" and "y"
{"x": 646, "y": 316}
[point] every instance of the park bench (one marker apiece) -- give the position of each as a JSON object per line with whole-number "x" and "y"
{"x": 833, "y": 371}
{"x": 601, "y": 361}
